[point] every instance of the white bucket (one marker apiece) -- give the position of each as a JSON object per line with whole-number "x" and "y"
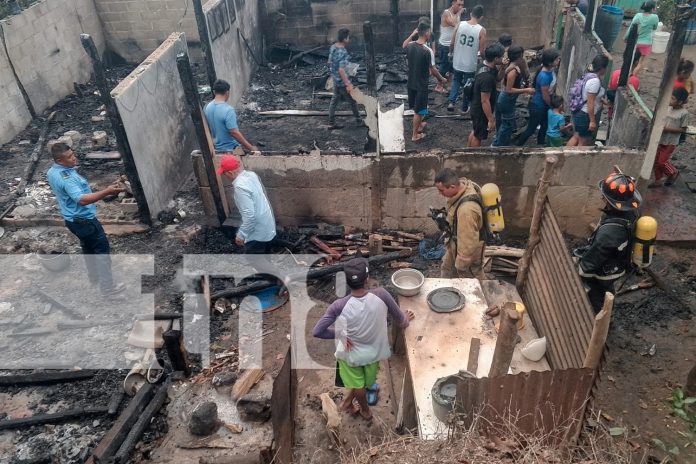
{"x": 660, "y": 40}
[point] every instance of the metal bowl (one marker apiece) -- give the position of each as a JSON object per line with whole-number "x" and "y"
{"x": 408, "y": 282}
{"x": 55, "y": 262}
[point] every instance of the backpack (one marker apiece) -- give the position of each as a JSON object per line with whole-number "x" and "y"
{"x": 468, "y": 88}
{"x": 575, "y": 93}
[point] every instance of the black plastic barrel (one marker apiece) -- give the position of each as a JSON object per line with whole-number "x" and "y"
{"x": 608, "y": 24}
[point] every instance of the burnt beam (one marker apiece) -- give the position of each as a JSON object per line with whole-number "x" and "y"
{"x": 199, "y": 123}
{"x": 205, "y": 42}
{"x": 55, "y": 418}
{"x": 370, "y": 63}
{"x": 111, "y": 442}
{"x": 43, "y": 378}
{"x": 119, "y": 130}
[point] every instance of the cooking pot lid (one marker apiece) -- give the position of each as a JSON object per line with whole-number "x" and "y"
{"x": 445, "y": 300}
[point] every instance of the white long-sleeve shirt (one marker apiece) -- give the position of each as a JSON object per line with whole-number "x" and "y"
{"x": 258, "y": 223}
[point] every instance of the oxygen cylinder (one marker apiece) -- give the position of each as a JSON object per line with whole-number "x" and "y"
{"x": 490, "y": 197}
{"x": 644, "y": 246}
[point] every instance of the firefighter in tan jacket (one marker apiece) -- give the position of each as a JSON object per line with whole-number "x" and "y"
{"x": 464, "y": 248}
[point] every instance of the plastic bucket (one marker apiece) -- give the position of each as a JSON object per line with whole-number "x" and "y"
{"x": 608, "y": 24}
{"x": 660, "y": 40}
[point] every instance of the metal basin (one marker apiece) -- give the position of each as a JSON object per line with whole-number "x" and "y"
{"x": 446, "y": 300}
{"x": 444, "y": 394}
{"x": 55, "y": 262}
{"x": 408, "y": 282}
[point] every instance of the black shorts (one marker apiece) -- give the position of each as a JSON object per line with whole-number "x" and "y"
{"x": 418, "y": 101}
{"x": 479, "y": 122}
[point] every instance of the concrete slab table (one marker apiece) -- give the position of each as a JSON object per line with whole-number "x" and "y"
{"x": 437, "y": 345}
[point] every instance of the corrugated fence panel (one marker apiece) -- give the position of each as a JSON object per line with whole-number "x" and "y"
{"x": 547, "y": 404}
{"x": 555, "y": 298}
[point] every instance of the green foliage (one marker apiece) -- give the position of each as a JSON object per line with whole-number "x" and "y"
{"x": 680, "y": 407}
{"x": 667, "y": 11}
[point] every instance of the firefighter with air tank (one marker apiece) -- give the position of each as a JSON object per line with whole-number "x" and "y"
{"x": 621, "y": 239}
{"x": 473, "y": 214}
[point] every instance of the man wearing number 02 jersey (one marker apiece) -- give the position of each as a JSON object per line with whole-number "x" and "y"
{"x": 468, "y": 40}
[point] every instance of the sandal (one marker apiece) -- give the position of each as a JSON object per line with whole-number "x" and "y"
{"x": 373, "y": 394}
{"x": 419, "y": 138}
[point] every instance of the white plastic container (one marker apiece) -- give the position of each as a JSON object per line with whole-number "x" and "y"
{"x": 660, "y": 40}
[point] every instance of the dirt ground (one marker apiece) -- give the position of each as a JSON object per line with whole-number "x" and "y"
{"x": 631, "y": 394}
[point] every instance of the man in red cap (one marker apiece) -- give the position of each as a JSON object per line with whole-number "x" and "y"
{"x": 258, "y": 228}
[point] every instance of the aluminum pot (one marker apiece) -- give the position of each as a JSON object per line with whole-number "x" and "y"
{"x": 55, "y": 262}
{"x": 408, "y": 282}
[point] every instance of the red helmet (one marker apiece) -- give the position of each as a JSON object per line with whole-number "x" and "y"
{"x": 620, "y": 192}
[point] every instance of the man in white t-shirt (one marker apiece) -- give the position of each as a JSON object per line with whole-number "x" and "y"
{"x": 468, "y": 41}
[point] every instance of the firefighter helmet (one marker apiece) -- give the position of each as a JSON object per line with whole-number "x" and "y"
{"x": 620, "y": 191}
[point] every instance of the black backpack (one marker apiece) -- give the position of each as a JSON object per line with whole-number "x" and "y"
{"x": 468, "y": 87}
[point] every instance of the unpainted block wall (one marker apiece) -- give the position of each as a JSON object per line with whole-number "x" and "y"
{"x": 396, "y": 191}
{"x": 158, "y": 124}
{"x": 232, "y": 59}
{"x": 43, "y": 45}
{"x": 631, "y": 124}
{"x": 316, "y": 22}
{"x": 135, "y": 28}
{"x": 578, "y": 51}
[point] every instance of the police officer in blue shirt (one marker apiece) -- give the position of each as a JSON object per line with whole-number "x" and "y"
{"x": 77, "y": 205}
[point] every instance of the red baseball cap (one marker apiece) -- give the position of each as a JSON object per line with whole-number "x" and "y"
{"x": 227, "y": 163}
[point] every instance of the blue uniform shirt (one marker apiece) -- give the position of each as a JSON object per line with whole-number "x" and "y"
{"x": 221, "y": 118}
{"x": 68, "y": 187}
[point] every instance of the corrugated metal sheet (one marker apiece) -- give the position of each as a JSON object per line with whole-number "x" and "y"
{"x": 556, "y": 300}
{"x": 547, "y": 404}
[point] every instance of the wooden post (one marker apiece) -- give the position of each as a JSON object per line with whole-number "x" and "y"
{"x": 394, "y": 10}
{"x": 599, "y": 333}
{"x": 628, "y": 55}
{"x": 474, "y": 350}
{"x": 176, "y": 351}
{"x": 184, "y": 66}
{"x": 590, "y": 18}
{"x": 370, "y": 58}
{"x": 119, "y": 130}
{"x": 534, "y": 235}
{"x": 674, "y": 51}
{"x": 507, "y": 339}
{"x": 205, "y": 42}
{"x": 374, "y": 243}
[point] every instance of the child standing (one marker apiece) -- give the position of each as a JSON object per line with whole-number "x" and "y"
{"x": 647, "y": 22}
{"x": 675, "y": 125}
{"x": 557, "y": 125}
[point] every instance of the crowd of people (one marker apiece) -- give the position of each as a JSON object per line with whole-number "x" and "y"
{"x": 488, "y": 76}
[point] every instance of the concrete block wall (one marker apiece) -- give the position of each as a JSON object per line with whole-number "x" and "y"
{"x": 631, "y": 124}
{"x": 233, "y": 61}
{"x": 16, "y": 115}
{"x": 43, "y": 45}
{"x": 135, "y": 28}
{"x": 396, "y": 191}
{"x": 158, "y": 124}
{"x": 578, "y": 51}
{"x": 316, "y": 22}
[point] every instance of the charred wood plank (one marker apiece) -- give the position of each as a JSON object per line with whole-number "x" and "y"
{"x": 111, "y": 442}
{"x": 55, "y": 418}
{"x": 38, "y": 378}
